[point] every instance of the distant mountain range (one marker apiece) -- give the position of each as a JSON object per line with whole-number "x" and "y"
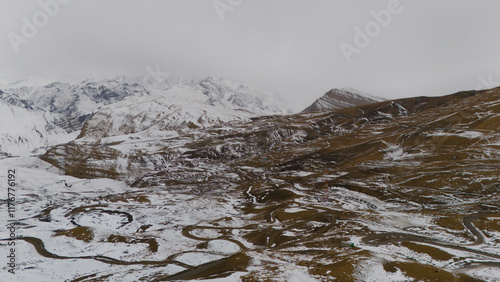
{"x": 40, "y": 114}
{"x": 55, "y": 112}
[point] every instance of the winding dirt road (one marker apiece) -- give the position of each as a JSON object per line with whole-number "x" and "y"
{"x": 393, "y": 237}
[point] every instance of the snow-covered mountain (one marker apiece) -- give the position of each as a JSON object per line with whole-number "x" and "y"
{"x": 125, "y": 104}
{"x": 341, "y": 98}
{"x": 237, "y": 96}
{"x": 25, "y": 130}
{"x": 179, "y": 108}
{"x": 72, "y": 102}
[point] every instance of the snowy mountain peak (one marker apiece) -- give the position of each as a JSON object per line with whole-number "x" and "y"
{"x": 238, "y": 96}
{"x": 339, "y": 98}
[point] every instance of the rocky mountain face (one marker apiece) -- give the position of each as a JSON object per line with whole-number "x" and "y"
{"x": 401, "y": 189}
{"x": 167, "y": 105}
{"x": 73, "y": 102}
{"x": 336, "y": 99}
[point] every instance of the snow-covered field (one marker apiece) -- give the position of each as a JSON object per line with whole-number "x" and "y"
{"x": 48, "y": 203}
{"x": 105, "y": 229}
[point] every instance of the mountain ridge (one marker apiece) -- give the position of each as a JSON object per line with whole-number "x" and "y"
{"x": 339, "y": 98}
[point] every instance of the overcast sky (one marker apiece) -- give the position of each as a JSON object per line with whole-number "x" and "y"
{"x": 291, "y": 46}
